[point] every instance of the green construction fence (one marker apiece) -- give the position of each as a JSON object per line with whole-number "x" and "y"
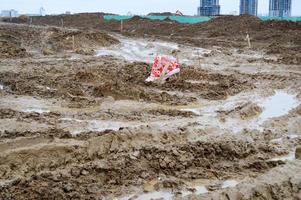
{"x": 191, "y": 19}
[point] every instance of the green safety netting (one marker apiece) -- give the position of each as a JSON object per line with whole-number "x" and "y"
{"x": 180, "y": 19}
{"x": 294, "y": 19}
{"x": 191, "y": 19}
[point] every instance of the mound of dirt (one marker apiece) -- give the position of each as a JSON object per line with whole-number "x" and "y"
{"x": 49, "y": 40}
{"x": 82, "y": 40}
{"x": 228, "y": 25}
{"x": 11, "y": 47}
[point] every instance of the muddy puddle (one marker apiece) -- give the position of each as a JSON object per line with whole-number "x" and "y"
{"x": 145, "y": 50}
{"x": 238, "y": 112}
{"x": 278, "y": 105}
{"x": 231, "y": 115}
{"x": 76, "y": 126}
{"x": 193, "y": 189}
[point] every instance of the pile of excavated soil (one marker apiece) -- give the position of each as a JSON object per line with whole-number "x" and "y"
{"x": 50, "y": 40}
{"x": 83, "y": 41}
{"x": 277, "y": 37}
{"x": 230, "y": 25}
{"x": 11, "y": 47}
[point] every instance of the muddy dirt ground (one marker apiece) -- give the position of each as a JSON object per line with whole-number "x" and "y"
{"x": 78, "y": 120}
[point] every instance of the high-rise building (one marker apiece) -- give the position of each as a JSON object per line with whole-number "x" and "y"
{"x": 249, "y": 7}
{"x": 280, "y": 8}
{"x": 9, "y": 13}
{"x": 42, "y": 11}
{"x": 209, "y": 8}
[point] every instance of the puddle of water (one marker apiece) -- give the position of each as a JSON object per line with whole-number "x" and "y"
{"x": 99, "y": 125}
{"x": 290, "y": 157}
{"x": 144, "y": 50}
{"x": 195, "y": 111}
{"x": 26, "y": 104}
{"x": 278, "y": 105}
{"x": 201, "y": 190}
{"x": 198, "y": 190}
{"x": 76, "y": 126}
{"x": 291, "y": 137}
{"x": 36, "y": 110}
{"x": 150, "y": 196}
{"x": 166, "y": 195}
{"x": 275, "y": 106}
{"x": 230, "y": 184}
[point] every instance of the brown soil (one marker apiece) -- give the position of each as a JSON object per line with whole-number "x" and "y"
{"x": 85, "y": 127}
{"x": 103, "y": 78}
{"x": 10, "y": 47}
{"x": 276, "y": 37}
{"x": 17, "y": 40}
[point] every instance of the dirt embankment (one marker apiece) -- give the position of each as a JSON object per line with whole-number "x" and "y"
{"x": 18, "y": 41}
{"x": 276, "y": 37}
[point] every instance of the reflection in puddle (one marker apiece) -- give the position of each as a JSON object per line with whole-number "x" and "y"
{"x": 201, "y": 190}
{"x": 166, "y": 195}
{"x": 230, "y": 184}
{"x": 36, "y": 110}
{"x": 281, "y": 103}
{"x": 150, "y": 196}
{"x": 291, "y": 137}
{"x": 278, "y": 105}
{"x": 76, "y": 126}
{"x": 144, "y": 50}
{"x": 195, "y": 111}
{"x": 198, "y": 190}
{"x": 96, "y": 125}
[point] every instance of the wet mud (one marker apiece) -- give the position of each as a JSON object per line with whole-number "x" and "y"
{"x": 80, "y": 125}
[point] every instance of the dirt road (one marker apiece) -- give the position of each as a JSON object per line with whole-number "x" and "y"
{"x": 81, "y": 123}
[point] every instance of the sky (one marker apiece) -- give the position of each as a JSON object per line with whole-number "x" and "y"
{"x": 188, "y": 7}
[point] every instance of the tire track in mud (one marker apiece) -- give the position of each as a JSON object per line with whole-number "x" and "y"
{"x": 104, "y": 162}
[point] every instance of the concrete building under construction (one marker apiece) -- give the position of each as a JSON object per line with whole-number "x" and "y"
{"x": 249, "y": 7}
{"x": 209, "y": 8}
{"x": 280, "y": 8}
